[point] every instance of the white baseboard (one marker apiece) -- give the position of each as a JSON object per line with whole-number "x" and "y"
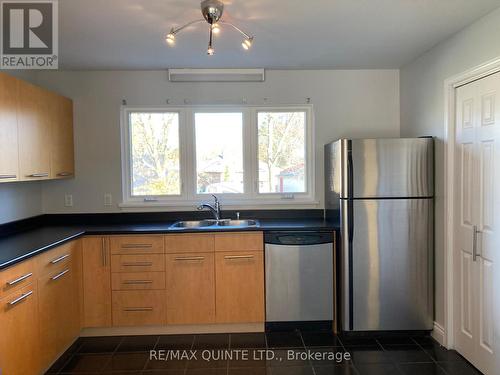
{"x": 438, "y": 333}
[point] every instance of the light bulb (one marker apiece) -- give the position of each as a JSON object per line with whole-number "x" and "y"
{"x": 170, "y": 38}
{"x": 247, "y": 43}
{"x": 215, "y": 28}
{"x": 210, "y": 51}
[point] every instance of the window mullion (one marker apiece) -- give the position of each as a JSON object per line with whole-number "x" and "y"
{"x": 248, "y": 153}
{"x": 190, "y": 145}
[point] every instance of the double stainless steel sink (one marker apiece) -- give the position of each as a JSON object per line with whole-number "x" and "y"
{"x": 215, "y": 224}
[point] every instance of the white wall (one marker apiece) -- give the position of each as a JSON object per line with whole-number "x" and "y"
{"x": 422, "y": 105}
{"x": 20, "y": 200}
{"x": 350, "y": 103}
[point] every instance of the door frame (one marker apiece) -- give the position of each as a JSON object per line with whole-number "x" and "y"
{"x": 446, "y": 334}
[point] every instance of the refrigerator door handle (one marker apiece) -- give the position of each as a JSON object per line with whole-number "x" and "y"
{"x": 350, "y": 233}
{"x": 350, "y": 174}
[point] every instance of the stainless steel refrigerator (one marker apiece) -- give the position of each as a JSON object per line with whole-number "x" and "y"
{"x": 383, "y": 191}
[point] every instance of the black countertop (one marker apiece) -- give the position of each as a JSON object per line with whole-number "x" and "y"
{"x": 18, "y": 247}
{"x": 21, "y": 246}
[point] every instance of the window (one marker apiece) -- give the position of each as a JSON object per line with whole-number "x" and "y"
{"x": 219, "y": 153}
{"x": 246, "y": 155}
{"x": 282, "y": 152}
{"x": 154, "y": 149}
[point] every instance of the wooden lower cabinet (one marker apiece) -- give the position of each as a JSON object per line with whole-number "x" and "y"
{"x": 239, "y": 287}
{"x": 96, "y": 282}
{"x": 139, "y": 308}
{"x": 58, "y": 311}
{"x": 190, "y": 288}
{"x": 81, "y": 284}
{"x": 19, "y": 338}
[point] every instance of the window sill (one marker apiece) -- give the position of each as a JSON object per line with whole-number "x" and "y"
{"x": 175, "y": 205}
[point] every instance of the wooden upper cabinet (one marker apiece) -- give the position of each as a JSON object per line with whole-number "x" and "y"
{"x": 96, "y": 282}
{"x": 62, "y": 159}
{"x": 9, "y": 158}
{"x": 34, "y": 130}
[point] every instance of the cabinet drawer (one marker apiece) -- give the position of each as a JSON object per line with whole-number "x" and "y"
{"x": 189, "y": 243}
{"x": 136, "y": 308}
{"x": 16, "y": 277}
{"x": 54, "y": 259}
{"x": 138, "y": 281}
{"x": 138, "y": 263}
{"x": 136, "y": 245}
{"x": 239, "y": 241}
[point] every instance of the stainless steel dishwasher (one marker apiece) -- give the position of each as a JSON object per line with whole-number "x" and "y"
{"x": 299, "y": 277}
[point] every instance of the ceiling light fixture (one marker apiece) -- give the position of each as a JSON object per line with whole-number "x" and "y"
{"x": 212, "y": 12}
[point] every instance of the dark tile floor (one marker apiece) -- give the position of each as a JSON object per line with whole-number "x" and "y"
{"x": 290, "y": 353}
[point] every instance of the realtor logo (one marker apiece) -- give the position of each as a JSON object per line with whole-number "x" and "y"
{"x": 29, "y": 34}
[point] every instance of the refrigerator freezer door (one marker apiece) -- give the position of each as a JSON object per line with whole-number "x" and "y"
{"x": 389, "y": 168}
{"x": 389, "y": 270}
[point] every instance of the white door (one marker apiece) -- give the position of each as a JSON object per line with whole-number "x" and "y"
{"x": 477, "y": 215}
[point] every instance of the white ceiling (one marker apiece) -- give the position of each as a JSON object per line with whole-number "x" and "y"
{"x": 306, "y": 34}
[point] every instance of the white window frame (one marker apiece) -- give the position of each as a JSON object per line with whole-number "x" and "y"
{"x": 187, "y": 157}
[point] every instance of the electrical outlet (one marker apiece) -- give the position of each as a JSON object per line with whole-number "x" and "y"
{"x": 108, "y": 199}
{"x": 68, "y": 200}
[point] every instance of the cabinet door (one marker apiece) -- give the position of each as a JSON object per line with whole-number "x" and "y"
{"x": 190, "y": 288}
{"x": 96, "y": 282}
{"x": 57, "y": 309}
{"x": 9, "y": 166}
{"x": 62, "y": 160}
{"x": 34, "y": 106}
{"x": 239, "y": 287}
{"x": 19, "y": 340}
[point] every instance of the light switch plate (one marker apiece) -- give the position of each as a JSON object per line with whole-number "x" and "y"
{"x": 68, "y": 200}
{"x": 108, "y": 199}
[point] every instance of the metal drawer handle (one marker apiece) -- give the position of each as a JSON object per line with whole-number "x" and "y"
{"x": 38, "y": 175}
{"x": 61, "y": 258}
{"x": 6, "y": 176}
{"x": 189, "y": 258}
{"x": 19, "y": 299}
{"x": 64, "y": 174}
{"x": 138, "y": 264}
{"x": 137, "y": 246}
{"x": 233, "y": 257}
{"x": 19, "y": 279}
{"x": 60, "y": 275}
{"x": 138, "y": 282}
{"x": 137, "y": 309}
